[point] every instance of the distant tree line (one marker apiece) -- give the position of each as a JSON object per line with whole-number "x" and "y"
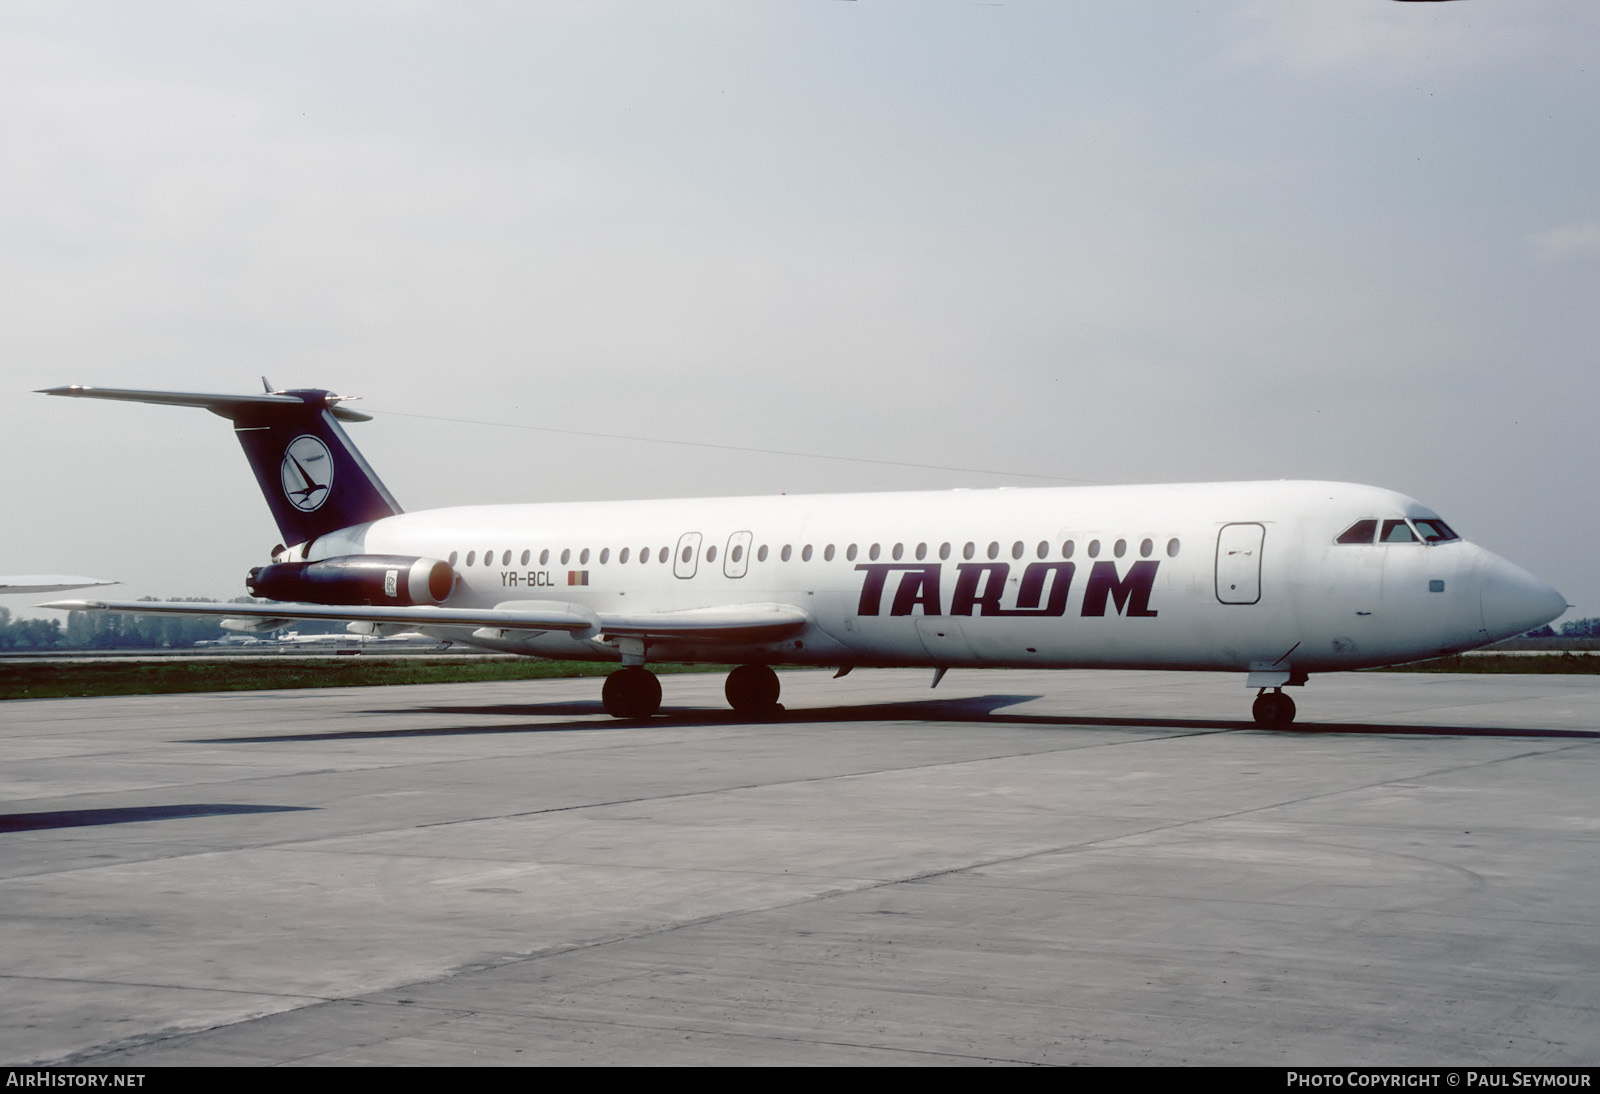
{"x": 107, "y": 630}
{"x": 1578, "y": 628}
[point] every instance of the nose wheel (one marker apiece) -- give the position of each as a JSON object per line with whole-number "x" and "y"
{"x": 631, "y": 693}
{"x": 1272, "y": 709}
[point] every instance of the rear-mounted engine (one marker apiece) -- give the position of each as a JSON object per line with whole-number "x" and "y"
{"x": 356, "y": 579}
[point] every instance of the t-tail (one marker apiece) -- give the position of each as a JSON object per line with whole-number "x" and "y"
{"x": 314, "y": 479}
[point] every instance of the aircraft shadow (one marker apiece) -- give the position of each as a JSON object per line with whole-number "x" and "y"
{"x": 980, "y": 709}
{"x": 83, "y": 818}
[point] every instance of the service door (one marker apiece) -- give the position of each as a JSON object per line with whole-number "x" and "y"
{"x": 687, "y": 556}
{"x": 1239, "y": 563}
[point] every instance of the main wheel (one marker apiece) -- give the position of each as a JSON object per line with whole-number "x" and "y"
{"x": 1272, "y": 709}
{"x": 752, "y": 689}
{"x": 632, "y": 692}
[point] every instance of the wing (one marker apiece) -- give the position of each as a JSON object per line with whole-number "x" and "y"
{"x": 732, "y": 623}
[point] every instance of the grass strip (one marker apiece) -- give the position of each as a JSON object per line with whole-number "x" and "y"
{"x": 1545, "y": 663}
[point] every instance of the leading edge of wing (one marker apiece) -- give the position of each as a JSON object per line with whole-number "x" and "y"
{"x": 733, "y": 623}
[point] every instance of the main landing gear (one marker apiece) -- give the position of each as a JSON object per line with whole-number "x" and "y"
{"x": 634, "y": 692}
{"x": 752, "y": 689}
{"x": 1272, "y": 709}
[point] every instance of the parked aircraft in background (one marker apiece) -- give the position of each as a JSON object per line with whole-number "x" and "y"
{"x": 1273, "y": 580}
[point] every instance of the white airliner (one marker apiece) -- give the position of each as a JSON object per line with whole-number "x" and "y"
{"x": 1274, "y": 580}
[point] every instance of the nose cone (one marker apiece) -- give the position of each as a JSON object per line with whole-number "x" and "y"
{"x": 1514, "y": 600}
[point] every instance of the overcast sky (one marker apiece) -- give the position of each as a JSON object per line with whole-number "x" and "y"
{"x": 1107, "y": 242}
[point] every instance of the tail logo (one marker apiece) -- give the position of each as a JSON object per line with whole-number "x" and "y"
{"x": 307, "y": 472}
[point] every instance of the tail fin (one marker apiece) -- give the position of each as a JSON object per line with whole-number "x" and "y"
{"x": 314, "y": 479}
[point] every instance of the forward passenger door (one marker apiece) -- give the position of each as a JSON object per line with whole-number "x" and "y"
{"x": 1239, "y": 563}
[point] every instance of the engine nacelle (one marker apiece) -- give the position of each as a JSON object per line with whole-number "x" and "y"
{"x": 385, "y": 580}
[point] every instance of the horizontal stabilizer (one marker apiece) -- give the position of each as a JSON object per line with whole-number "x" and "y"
{"x": 312, "y": 476}
{"x": 232, "y": 407}
{"x": 48, "y": 583}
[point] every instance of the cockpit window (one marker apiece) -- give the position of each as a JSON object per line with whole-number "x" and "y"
{"x": 1397, "y": 531}
{"x": 1434, "y": 530}
{"x": 1359, "y": 532}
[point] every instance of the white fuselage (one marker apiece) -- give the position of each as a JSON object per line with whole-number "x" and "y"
{"x": 1220, "y": 576}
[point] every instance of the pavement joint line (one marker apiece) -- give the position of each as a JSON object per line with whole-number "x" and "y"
{"x": 449, "y": 1015}
{"x": 734, "y": 788}
{"x": 1177, "y": 823}
{"x": 311, "y": 998}
{"x": 1184, "y": 898}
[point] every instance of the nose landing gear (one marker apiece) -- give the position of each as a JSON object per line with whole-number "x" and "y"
{"x": 1272, "y": 709}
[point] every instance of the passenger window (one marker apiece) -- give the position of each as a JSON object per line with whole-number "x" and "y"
{"x": 1094, "y": 548}
{"x": 583, "y": 557}
{"x": 1172, "y": 548}
{"x": 827, "y": 553}
{"x": 544, "y": 557}
{"x": 899, "y": 549}
{"x": 969, "y": 550}
{"x": 1120, "y": 548}
{"x": 453, "y": 558}
{"x": 761, "y": 553}
{"x": 711, "y": 553}
{"x": 1044, "y": 549}
{"x": 784, "y": 554}
{"x": 1397, "y": 531}
{"x": 525, "y": 556}
{"x": 1145, "y": 547}
{"x": 805, "y": 553}
{"x": 605, "y": 555}
{"x": 622, "y": 557}
{"x": 850, "y": 553}
{"x": 1359, "y": 532}
{"x": 1017, "y": 549}
{"x": 566, "y": 555}
{"x": 994, "y": 550}
{"x": 472, "y": 556}
{"x": 1067, "y": 548}
{"x": 872, "y": 552}
{"x": 944, "y": 551}
{"x": 663, "y": 554}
